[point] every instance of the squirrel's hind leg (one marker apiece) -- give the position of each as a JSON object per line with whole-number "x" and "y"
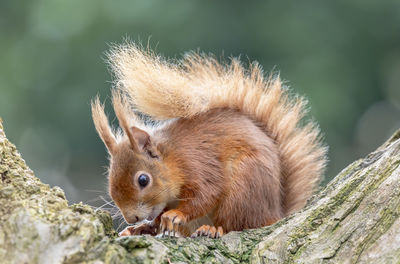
{"x": 254, "y": 197}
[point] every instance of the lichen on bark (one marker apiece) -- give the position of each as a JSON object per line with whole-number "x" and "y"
{"x": 354, "y": 219}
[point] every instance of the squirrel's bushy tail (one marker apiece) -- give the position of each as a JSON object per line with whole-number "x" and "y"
{"x": 163, "y": 89}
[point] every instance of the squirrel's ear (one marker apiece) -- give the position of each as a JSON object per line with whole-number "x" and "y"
{"x": 101, "y": 123}
{"x": 137, "y": 137}
{"x": 141, "y": 137}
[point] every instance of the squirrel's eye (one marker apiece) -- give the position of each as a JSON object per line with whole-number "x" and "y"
{"x": 143, "y": 180}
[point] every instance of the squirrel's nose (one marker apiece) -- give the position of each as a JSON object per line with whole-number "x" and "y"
{"x": 132, "y": 219}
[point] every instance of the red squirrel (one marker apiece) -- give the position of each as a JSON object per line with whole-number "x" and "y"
{"x": 234, "y": 148}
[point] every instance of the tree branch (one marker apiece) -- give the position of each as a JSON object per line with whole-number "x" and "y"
{"x": 354, "y": 219}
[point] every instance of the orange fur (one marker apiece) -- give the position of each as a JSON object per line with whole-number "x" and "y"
{"x": 234, "y": 148}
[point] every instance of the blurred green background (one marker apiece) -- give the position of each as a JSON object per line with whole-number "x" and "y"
{"x": 344, "y": 56}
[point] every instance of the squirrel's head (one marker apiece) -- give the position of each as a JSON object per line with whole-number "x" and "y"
{"x": 137, "y": 181}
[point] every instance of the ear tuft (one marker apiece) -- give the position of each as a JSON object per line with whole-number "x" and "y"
{"x": 138, "y": 138}
{"x": 102, "y": 126}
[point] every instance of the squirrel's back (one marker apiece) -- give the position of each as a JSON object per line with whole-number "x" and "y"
{"x": 226, "y": 157}
{"x": 197, "y": 84}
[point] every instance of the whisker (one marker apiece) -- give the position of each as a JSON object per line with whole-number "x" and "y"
{"x": 121, "y": 224}
{"x": 93, "y": 200}
{"x": 161, "y": 192}
{"x": 106, "y": 203}
{"x": 97, "y": 191}
{"x": 105, "y": 200}
{"x": 183, "y": 199}
{"x": 116, "y": 214}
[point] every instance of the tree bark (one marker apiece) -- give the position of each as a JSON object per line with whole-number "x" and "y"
{"x": 355, "y": 219}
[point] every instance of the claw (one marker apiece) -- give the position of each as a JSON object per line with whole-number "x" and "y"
{"x": 170, "y": 221}
{"x": 212, "y": 232}
{"x": 220, "y": 232}
{"x": 208, "y": 231}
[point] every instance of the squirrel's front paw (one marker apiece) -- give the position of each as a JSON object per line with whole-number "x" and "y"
{"x": 208, "y": 231}
{"x": 143, "y": 229}
{"x": 171, "y": 220}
